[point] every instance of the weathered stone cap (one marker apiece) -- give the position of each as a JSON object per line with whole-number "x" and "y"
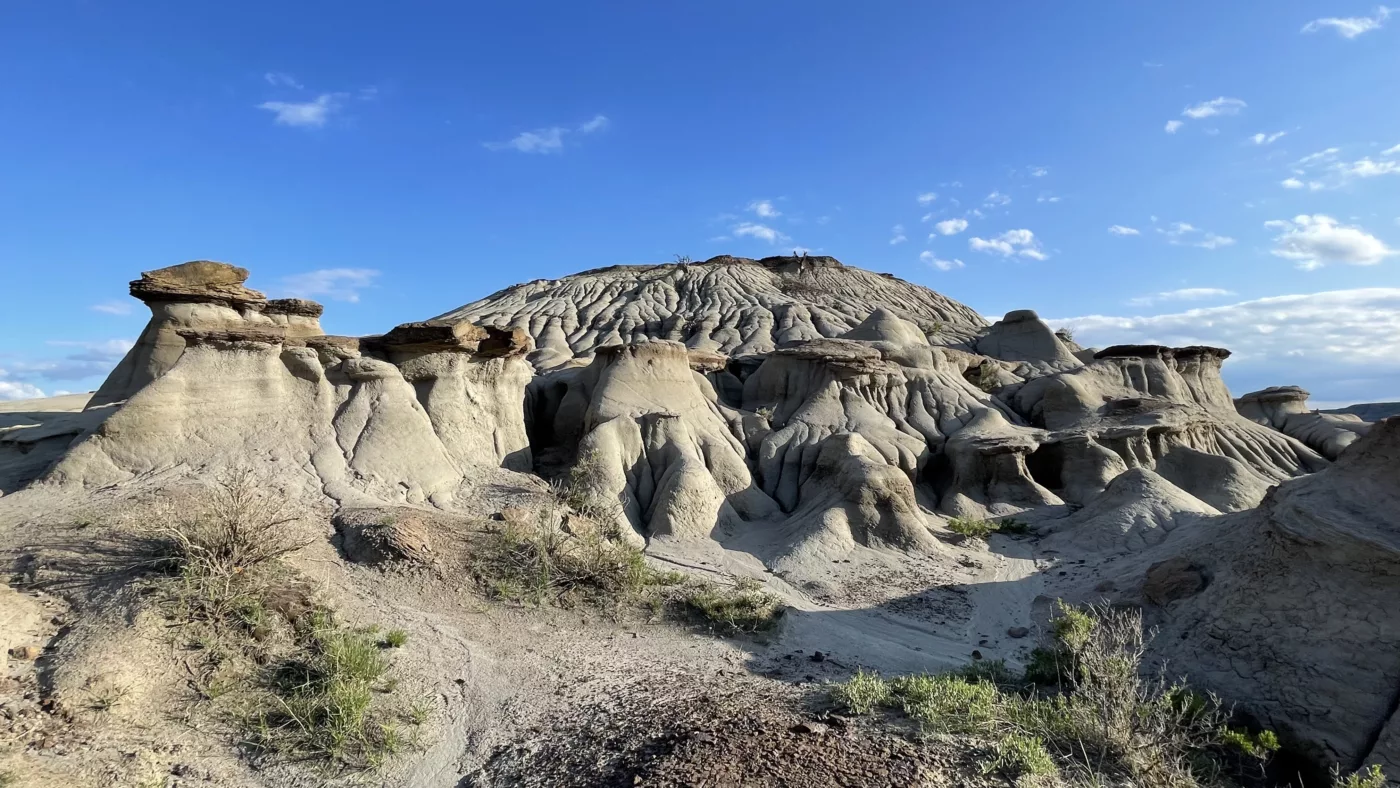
{"x": 428, "y": 336}
{"x": 293, "y": 306}
{"x": 199, "y": 280}
{"x": 1163, "y": 352}
{"x": 1276, "y": 394}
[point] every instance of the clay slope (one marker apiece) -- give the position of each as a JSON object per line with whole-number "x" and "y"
{"x": 731, "y": 305}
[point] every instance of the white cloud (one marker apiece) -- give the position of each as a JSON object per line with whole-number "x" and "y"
{"x": 113, "y": 307}
{"x": 1216, "y": 106}
{"x": 1021, "y": 243}
{"x": 943, "y": 265}
{"x": 305, "y": 114}
{"x": 763, "y": 209}
{"x": 1294, "y": 183}
{"x": 1039, "y": 172}
{"x": 1341, "y": 345}
{"x": 1365, "y": 168}
{"x": 548, "y": 140}
{"x": 1048, "y": 198}
{"x": 898, "y": 237}
{"x": 1184, "y": 294}
{"x": 598, "y": 123}
{"x": 995, "y": 200}
{"x": 278, "y": 79}
{"x": 1391, "y": 151}
{"x": 12, "y": 390}
{"x": 1183, "y": 234}
{"x": 1314, "y": 241}
{"x": 759, "y": 231}
{"x": 337, "y": 284}
{"x": 1174, "y": 125}
{"x": 1350, "y": 27}
{"x": 1119, "y": 229}
{"x": 926, "y": 198}
{"x": 950, "y": 226}
{"x": 1267, "y": 139}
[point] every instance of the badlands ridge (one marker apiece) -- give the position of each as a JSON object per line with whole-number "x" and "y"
{"x": 814, "y": 425}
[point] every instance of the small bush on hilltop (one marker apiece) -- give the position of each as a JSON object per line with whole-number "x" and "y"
{"x": 1101, "y": 722}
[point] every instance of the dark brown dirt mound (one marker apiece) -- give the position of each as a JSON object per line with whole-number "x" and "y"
{"x": 753, "y": 735}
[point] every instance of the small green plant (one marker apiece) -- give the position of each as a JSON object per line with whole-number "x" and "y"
{"x": 106, "y": 697}
{"x": 972, "y": 528}
{"x": 321, "y": 704}
{"x": 394, "y": 638}
{"x": 420, "y": 711}
{"x": 1256, "y": 745}
{"x": 1371, "y": 777}
{"x": 1013, "y": 527}
{"x": 744, "y": 608}
{"x": 1017, "y": 755}
{"x": 862, "y": 693}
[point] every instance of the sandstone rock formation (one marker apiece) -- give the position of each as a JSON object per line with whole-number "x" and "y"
{"x": 798, "y": 412}
{"x": 223, "y": 376}
{"x": 1285, "y": 409}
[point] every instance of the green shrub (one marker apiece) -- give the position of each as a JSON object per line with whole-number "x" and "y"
{"x": 1017, "y": 755}
{"x": 1371, "y": 777}
{"x": 744, "y": 608}
{"x": 862, "y": 693}
{"x": 321, "y": 703}
{"x": 1102, "y": 721}
{"x": 395, "y": 638}
{"x": 971, "y": 527}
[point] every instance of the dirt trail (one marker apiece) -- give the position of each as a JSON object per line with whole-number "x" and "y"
{"x": 1000, "y": 596}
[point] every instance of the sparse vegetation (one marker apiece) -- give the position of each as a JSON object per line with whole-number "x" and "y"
{"x": 973, "y": 528}
{"x": 984, "y": 376}
{"x": 744, "y": 608}
{"x": 321, "y": 700}
{"x": 1066, "y": 333}
{"x": 240, "y": 609}
{"x": 1101, "y": 724}
{"x": 683, "y": 259}
{"x": 1371, "y": 777}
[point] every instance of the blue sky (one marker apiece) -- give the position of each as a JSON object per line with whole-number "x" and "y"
{"x": 396, "y": 161}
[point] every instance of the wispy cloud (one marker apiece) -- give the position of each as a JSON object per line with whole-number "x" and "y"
{"x": 950, "y": 226}
{"x": 1395, "y": 151}
{"x": 1119, "y": 229}
{"x": 1294, "y": 183}
{"x": 1267, "y": 139}
{"x": 760, "y": 231}
{"x": 764, "y": 209}
{"x": 1051, "y": 198}
{"x": 898, "y": 235}
{"x": 1312, "y": 242}
{"x": 598, "y": 123}
{"x": 1183, "y": 234}
{"x": 305, "y": 114}
{"x": 278, "y": 79}
{"x": 337, "y": 284}
{"x": 1020, "y": 243}
{"x": 113, "y": 308}
{"x": 926, "y": 198}
{"x": 550, "y": 139}
{"x": 1184, "y": 294}
{"x": 1039, "y": 172}
{"x": 995, "y": 200}
{"x": 1350, "y": 27}
{"x": 1174, "y": 125}
{"x": 1216, "y": 106}
{"x": 943, "y": 265}
{"x": 1366, "y": 168}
